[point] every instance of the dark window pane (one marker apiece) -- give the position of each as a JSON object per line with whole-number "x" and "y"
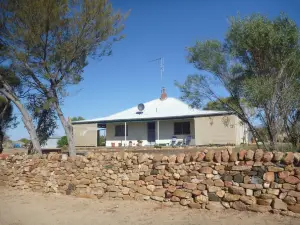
{"x": 120, "y": 130}
{"x": 181, "y": 128}
{"x": 186, "y": 128}
{"x": 177, "y": 128}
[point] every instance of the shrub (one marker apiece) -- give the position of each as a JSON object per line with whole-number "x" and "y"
{"x": 62, "y": 142}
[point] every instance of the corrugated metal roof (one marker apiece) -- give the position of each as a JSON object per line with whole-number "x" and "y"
{"x": 156, "y": 109}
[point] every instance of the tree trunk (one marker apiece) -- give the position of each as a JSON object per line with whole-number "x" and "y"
{"x": 68, "y": 129}
{"x": 1, "y": 141}
{"x": 26, "y": 120}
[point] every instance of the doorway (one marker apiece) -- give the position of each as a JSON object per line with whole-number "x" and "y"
{"x": 151, "y": 132}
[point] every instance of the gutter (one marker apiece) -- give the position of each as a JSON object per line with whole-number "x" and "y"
{"x": 151, "y": 118}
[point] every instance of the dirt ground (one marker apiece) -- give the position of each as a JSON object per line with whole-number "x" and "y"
{"x": 24, "y": 208}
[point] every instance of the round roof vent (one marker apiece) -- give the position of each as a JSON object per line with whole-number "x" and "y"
{"x": 141, "y": 107}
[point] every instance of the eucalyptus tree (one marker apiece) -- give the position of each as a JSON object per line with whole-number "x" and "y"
{"x": 258, "y": 67}
{"x": 49, "y": 43}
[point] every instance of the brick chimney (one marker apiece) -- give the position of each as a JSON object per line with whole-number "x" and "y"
{"x": 163, "y": 95}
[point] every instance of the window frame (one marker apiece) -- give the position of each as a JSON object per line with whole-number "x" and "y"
{"x": 181, "y": 128}
{"x": 122, "y": 131}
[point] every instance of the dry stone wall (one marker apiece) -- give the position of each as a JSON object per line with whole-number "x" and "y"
{"x": 249, "y": 180}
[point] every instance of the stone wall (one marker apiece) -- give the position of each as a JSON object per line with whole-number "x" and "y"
{"x": 256, "y": 181}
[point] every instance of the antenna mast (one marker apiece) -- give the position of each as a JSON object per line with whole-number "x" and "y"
{"x": 162, "y": 67}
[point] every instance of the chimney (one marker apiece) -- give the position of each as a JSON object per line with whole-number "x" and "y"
{"x": 163, "y": 95}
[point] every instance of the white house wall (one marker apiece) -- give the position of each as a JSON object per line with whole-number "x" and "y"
{"x": 138, "y": 131}
{"x": 213, "y": 130}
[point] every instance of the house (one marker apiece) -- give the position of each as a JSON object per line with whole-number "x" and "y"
{"x": 162, "y": 121}
{"x": 51, "y": 143}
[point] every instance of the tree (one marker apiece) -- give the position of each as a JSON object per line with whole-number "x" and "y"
{"x": 44, "y": 117}
{"x": 25, "y": 141}
{"x": 63, "y": 141}
{"x": 77, "y": 118}
{"x": 219, "y": 105}
{"x": 60, "y": 36}
{"x": 258, "y": 66}
{"x": 7, "y": 119}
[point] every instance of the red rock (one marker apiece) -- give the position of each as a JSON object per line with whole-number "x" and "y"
{"x": 175, "y": 199}
{"x": 241, "y": 168}
{"x": 283, "y": 174}
{"x": 171, "y": 188}
{"x": 227, "y": 183}
{"x": 195, "y": 156}
{"x": 187, "y": 158}
{"x": 236, "y": 190}
{"x": 149, "y": 178}
{"x": 201, "y": 156}
{"x": 180, "y": 158}
{"x": 287, "y": 186}
{"x": 172, "y": 159}
{"x": 230, "y": 197}
{"x": 260, "y": 201}
{"x": 290, "y": 200}
{"x": 3, "y": 156}
{"x": 275, "y": 169}
{"x": 269, "y": 177}
{"x": 249, "y": 155}
{"x": 233, "y": 157}
{"x": 238, "y": 205}
{"x": 259, "y": 153}
{"x": 194, "y": 205}
{"x": 206, "y": 170}
{"x": 242, "y": 154}
{"x": 249, "y": 163}
{"x": 268, "y": 156}
{"x": 247, "y": 180}
{"x": 190, "y": 186}
{"x": 292, "y": 180}
{"x": 294, "y": 194}
{"x": 289, "y": 158}
{"x": 218, "y": 156}
{"x": 196, "y": 192}
{"x": 201, "y": 187}
{"x": 279, "y": 204}
{"x": 219, "y": 183}
{"x": 294, "y": 208}
{"x": 225, "y": 156}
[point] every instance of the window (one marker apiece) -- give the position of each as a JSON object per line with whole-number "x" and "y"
{"x": 120, "y": 130}
{"x": 182, "y": 128}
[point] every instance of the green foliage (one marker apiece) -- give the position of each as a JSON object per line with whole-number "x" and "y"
{"x": 222, "y": 104}
{"x": 259, "y": 67}
{"x": 7, "y": 119}
{"x": 102, "y": 140}
{"x": 62, "y": 142}
{"x": 48, "y": 43}
{"x": 59, "y": 37}
{"x": 25, "y": 141}
{"x": 77, "y": 118}
{"x": 44, "y": 118}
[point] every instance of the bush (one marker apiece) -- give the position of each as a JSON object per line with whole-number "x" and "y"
{"x": 62, "y": 142}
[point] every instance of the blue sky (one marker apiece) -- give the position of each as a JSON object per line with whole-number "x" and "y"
{"x": 156, "y": 28}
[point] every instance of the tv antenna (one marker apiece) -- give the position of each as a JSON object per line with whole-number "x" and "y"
{"x": 162, "y": 66}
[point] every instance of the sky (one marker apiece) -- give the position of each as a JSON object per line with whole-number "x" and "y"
{"x": 154, "y": 29}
